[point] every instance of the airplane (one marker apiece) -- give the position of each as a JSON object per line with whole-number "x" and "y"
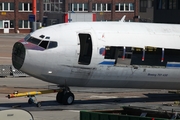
{"x": 101, "y": 54}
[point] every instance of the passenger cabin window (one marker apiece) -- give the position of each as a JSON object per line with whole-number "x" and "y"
{"x": 85, "y": 49}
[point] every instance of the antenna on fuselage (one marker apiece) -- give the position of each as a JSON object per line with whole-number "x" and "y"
{"x": 123, "y": 19}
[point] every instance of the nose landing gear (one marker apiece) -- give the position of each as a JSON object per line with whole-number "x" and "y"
{"x": 65, "y": 97}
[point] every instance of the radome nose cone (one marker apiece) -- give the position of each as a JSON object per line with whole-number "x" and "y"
{"x": 18, "y": 55}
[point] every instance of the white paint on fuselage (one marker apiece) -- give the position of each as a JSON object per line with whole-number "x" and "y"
{"x": 63, "y": 60}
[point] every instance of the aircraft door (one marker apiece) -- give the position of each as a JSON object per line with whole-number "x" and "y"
{"x": 85, "y": 49}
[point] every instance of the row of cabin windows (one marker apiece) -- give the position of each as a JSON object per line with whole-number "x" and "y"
{"x": 138, "y": 56}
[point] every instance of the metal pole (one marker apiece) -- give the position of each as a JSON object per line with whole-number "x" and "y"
{"x": 70, "y": 12}
{"x": 34, "y": 13}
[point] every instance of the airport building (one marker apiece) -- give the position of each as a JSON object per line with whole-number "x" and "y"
{"x": 159, "y": 11}
{"x": 146, "y": 11}
{"x": 92, "y": 10}
{"x": 106, "y": 10}
{"x": 167, "y": 11}
{"x": 15, "y": 14}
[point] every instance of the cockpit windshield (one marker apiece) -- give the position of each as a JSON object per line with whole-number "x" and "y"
{"x": 34, "y": 40}
{"x": 27, "y": 37}
{"x": 42, "y": 43}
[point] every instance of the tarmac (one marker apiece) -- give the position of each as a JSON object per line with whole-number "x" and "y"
{"x": 85, "y": 98}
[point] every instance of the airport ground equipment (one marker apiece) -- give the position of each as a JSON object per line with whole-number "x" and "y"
{"x": 129, "y": 113}
{"x": 17, "y": 73}
{"x": 64, "y": 95}
{"x": 10, "y": 71}
{"x": 32, "y": 95}
{"x": 5, "y": 70}
{"x": 175, "y": 92}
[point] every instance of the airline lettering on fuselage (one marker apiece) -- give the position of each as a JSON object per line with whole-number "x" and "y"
{"x": 158, "y": 75}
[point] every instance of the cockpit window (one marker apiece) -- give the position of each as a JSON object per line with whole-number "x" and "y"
{"x": 27, "y": 37}
{"x": 44, "y": 44}
{"x": 34, "y": 40}
{"x": 52, "y": 44}
{"x": 47, "y": 37}
{"x": 41, "y": 36}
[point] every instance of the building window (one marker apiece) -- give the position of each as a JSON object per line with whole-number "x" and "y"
{"x": 31, "y": 7}
{"x": 69, "y": 7}
{"x": 52, "y": 5}
{"x": 116, "y": 7}
{"x": 20, "y": 6}
{"x": 25, "y": 6}
{"x": 162, "y": 4}
{"x": 1, "y": 24}
{"x": 82, "y": 7}
{"x": 172, "y": 4}
{"x": 37, "y": 7}
{"x": 6, "y": 6}
{"x": 47, "y": 7}
{"x": 11, "y": 6}
{"x": 24, "y": 24}
{"x": 121, "y": 7}
{"x": 11, "y": 23}
{"x": 143, "y": 5}
{"x": 124, "y": 7}
{"x": 85, "y": 7}
{"x": 93, "y": 7}
{"x": 75, "y": 7}
{"x": 105, "y": 7}
{"x": 20, "y": 24}
{"x": 109, "y": 7}
{"x": 131, "y": 6}
{"x": 98, "y": 7}
{"x": 1, "y": 6}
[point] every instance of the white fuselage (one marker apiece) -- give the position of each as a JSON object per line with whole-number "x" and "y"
{"x": 62, "y": 65}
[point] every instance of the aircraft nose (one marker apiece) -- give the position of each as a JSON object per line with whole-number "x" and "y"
{"x": 18, "y": 55}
